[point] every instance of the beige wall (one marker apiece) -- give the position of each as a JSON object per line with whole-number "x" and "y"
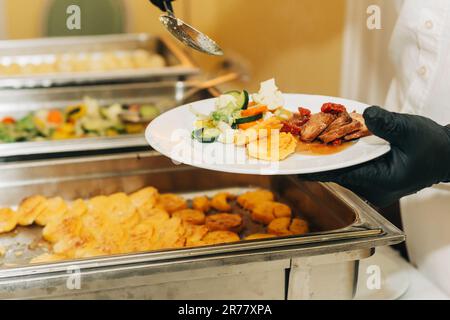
{"x": 297, "y": 41}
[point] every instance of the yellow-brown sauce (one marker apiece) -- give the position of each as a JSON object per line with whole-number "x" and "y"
{"x": 320, "y": 149}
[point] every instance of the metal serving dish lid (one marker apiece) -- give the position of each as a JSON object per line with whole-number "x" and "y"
{"x": 46, "y": 49}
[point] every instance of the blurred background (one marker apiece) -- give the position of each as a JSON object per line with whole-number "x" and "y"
{"x": 310, "y": 46}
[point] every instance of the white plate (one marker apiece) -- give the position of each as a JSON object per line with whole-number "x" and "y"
{"x": 170, "y": 134}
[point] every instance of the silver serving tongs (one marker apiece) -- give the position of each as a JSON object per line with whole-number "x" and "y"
{"x": 188, "y": 34}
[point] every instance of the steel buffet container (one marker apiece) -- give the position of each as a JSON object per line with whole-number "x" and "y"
{"x": 319, "y": 265}
{"x": 18, "y": 103}
{"x": 35, "y": 51}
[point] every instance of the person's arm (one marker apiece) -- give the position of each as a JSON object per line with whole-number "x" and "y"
{"x": 420, "y": 158}
{"x": 160, "y": 4}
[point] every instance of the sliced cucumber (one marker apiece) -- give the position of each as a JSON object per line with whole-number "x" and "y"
{"x": 248, "y": 119}
{"x": 242, "y": 98}
{"x": 206, "y": 135}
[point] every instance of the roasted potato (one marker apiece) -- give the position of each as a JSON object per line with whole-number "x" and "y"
{"x": 190, "y": 216}
{"x": 224, "y": 222}
{"x": 258, "y": 236}
{"x": 201, "y": 204}
{"x": 280, "y": 227}
{"x": 266, "y": 211}
{"x": 299, "y": 226}
{"x": 217, "y": 237}
{"x": 220, "y": 202}
{"x": 172, "y": 202}
{"x": 250, "y": 199}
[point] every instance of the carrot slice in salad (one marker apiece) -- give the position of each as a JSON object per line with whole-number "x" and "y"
{"x": 254, "y": 111}
{"x": 248, "y": 125}
{"x": 55, "y": 117}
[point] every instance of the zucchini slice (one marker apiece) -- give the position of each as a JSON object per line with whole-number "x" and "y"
{"x": 242, "y": 98}
{"x": 256, "y": 117}
{"x": 206, "y": 135}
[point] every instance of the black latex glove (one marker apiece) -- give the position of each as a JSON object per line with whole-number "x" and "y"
{"x": 160, "y": 4}
{"x": 420, "y": 158}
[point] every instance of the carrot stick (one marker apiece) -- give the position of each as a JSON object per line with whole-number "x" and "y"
{"x": 254, "y": 111}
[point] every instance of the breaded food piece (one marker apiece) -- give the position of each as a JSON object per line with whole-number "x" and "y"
{"x": 258, "y": 236}
{"x": 169, "y": 235}
{"x": 266, "y": 211}
{"x": 172, "y": 202}
{"x": 190, "y": 216}
{"x": 8, "y": 220}
{"x": 299, "y": 226}
{"x": 201, "y": 204}
{"x": 50, "y": 209}
{"x": 145, "y": 198}
{"x": 139, "y": 237}
{"x": 67, "y": 224}
{"x": 195, "y": 234}
{"x": 280, "y": 227}
{"x": 259, "y": 131}
{"x": 148, "y": 213}
{"x": 224, "y": 222}
{"x": 47, "y": 258}
{"x": 217, "y": 237}
{"x": 275, "y": 147}
{"x": 249, "y": 200}
{"x": 120, "y": 210}
{"x": 29, "y": 210}
{"x": 220, "y": 202}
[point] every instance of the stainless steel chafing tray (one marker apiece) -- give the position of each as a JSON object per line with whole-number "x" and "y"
{"x": 18, "y": 103}
{"x": 323, "y": 264}
{"x": 45, "y": 49}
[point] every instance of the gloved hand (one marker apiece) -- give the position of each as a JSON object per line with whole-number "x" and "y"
{"x": 420, "y": 158}
{"x": 160, "y": 4}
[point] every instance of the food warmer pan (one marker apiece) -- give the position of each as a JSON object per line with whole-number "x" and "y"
{"x": 18, "y": 103}
{"x": 47, "y": 50}
{"x": 319, "y": 265}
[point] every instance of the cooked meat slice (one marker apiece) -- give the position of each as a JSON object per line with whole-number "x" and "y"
{"x": 341, "y": 120}
{"x": 316, "y": 125}
{"x": 341, "y": 132}
{"x": 362, "y": 132}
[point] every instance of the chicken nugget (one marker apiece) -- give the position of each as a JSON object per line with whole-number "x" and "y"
{"x": 8, "y": 220}
{"x": 224, "y": 222}
{"x": 201, "y": 204}
{"x": 266, "y": 211}
{"x": 280, "y": 227}
{"x": 29, "y": 209}
{"x": 217, "y": 237}
{"x": 190, "y": 216}
{"x": 248, "y": 200}
{"x": 258, "y": 236}
{"x": 172, "y": 202}
{"x": 51, "y": 209}
{"x": 220, "y": 202}
{"x": 299, "y": 226}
